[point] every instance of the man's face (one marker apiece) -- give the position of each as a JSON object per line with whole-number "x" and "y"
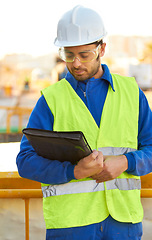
{"x": 84, "y": 70}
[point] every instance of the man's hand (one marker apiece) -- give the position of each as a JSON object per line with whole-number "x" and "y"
{"x": 89, "y": 165}
{"x": 113, "y": 166}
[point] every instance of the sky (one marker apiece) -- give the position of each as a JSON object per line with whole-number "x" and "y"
{"x": 29, "y": 26}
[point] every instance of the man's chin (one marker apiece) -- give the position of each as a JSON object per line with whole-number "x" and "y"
{"x": 80, "y": 77}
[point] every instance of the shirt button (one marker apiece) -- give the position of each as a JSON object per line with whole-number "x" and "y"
{"x": 101, "y": 228}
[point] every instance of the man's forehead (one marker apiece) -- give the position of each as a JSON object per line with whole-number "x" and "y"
{"x": 80, "y": 48}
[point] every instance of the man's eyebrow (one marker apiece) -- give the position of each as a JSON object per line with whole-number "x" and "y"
{"x": 87, "y": 50}
{"x": 68, "y": 51}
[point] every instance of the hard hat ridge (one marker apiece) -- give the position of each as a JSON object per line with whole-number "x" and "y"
{"x": 74, "y": 13}
{"x": 79, "y": 26}
{"x": 73, "y": 29}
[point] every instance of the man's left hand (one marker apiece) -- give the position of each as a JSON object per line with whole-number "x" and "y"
{"x": 113, "y": 166}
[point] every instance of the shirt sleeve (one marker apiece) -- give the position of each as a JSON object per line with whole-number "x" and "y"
{"x": 34, "y": 167}
{"x": 140, "y": 161}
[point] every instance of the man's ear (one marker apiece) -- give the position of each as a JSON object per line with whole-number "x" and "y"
{"x": 102, "y": 50}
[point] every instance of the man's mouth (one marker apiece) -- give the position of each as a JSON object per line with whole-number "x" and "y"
{"x": 78, "y": 71}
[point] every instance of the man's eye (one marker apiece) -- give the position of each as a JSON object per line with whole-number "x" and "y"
{"x": 69, "y": 55}
{"x": 84, "y": 55}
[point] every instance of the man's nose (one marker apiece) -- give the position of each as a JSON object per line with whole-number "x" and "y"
{"x": 76, "y": 62}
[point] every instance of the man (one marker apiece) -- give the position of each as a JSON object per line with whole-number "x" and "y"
{"x": 99, "y": 198}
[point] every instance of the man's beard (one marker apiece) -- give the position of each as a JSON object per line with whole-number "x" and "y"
{"x": 86, "y": 75}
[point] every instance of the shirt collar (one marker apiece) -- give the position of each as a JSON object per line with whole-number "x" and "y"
{"x": 106, "y": 76}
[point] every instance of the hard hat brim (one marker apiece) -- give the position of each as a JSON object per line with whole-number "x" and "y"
{"x": 74, "y": 44}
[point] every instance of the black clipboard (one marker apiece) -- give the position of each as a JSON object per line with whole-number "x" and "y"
{"x": 62, "y": 146}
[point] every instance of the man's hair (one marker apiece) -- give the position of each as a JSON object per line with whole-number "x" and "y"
{"x": 97, "y": 42}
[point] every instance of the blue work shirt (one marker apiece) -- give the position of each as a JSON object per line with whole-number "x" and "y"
{"x": 40, "y": 169}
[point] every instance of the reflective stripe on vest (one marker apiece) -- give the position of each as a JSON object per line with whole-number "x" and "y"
{"x": 91, "y": 186}
{"x": 115, "y": 150}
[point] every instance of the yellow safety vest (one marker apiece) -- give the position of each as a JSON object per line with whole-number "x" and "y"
{"x": 83, "y": 202}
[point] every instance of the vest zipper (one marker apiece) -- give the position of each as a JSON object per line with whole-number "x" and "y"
{"x": 84, "y": 92}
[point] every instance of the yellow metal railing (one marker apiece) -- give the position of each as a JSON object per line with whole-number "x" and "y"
{"x": 13, "y": 186}
{"x": 12, "y": 111}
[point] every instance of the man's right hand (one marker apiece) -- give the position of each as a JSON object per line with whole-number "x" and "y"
{"x": 89, "y": 165}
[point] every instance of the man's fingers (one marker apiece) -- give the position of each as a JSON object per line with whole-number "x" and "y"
{"x": 92, "y": 156}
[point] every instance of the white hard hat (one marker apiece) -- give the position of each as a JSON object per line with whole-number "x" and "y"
{"x": 79, "y": 26}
